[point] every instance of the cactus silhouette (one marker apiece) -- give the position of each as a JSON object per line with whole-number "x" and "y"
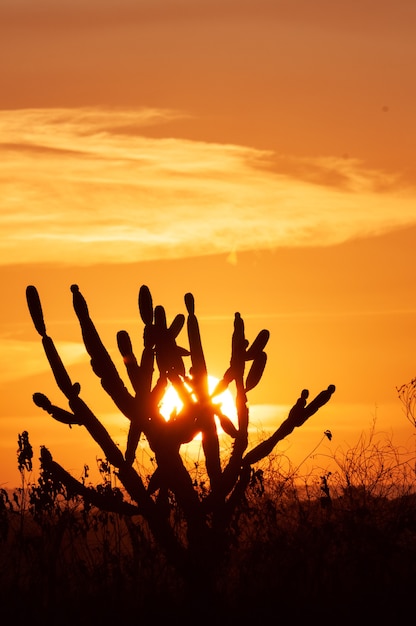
{"x": 206, "y": 515}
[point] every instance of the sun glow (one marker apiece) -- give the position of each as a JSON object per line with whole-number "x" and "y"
{"x": 172, "y": 404}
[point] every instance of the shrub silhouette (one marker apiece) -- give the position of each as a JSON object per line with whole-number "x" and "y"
{"x": 196, "y": 546}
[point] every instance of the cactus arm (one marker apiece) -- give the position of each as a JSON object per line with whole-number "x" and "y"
{"x": 206, "y": 418}
{"x": 148, "y": 355}
{"x": 35, "y": 309}
{"x": 237, "y": 365}
{"x": 238, "y": 347}
{"x": 58, "y": 369}
{"x": 210, "y": 444}
{"x": 199, "y": 368}
{"x": 256, "y": 371}
{"x": 145, "y": 305}
{"x": 226, "y": 424}
{"x": 147, "y": 361}
{"x": 233, "y": 468}
{"x": 162, "y": 351}
{"x": 129, "y": 359}
{"x": 101, "y": 362}
{"x": 298, "y": 415}
{"x": 239, "y": 355}
{"x": 310, "y": 409}
{"x": 223, "y": 383}
{"x": 61, "y": 415}
{"x": 168, "y": 354}
{"x": 236, "y": 372}
{"x": 258, "y": 345}
{"x": 133, "y": 438}
{"x": 176, "y": 325}
{"x": 97, "y": 431}
{"x": 177, "y": 351}
{"x": 254, "y": 353}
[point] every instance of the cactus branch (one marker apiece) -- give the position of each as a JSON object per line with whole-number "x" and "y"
{"x": 101, "y": 362}
{"x": 298, "y": 415}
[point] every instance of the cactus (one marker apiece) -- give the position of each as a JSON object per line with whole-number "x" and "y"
{"x": 207, "y": 515}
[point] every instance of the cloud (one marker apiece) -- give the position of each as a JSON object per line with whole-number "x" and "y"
{"x": 86, "y": 186}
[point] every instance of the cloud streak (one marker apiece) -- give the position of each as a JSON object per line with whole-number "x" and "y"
{"x": 88, "y": 186}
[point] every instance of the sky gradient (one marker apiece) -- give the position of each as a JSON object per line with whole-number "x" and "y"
{"x": 259, "y": 154}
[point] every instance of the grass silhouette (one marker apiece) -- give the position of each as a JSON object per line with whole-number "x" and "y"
{"x": 336, "y": 546}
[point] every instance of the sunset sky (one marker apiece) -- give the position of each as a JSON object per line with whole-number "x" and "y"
{"x": 257, "y": 153}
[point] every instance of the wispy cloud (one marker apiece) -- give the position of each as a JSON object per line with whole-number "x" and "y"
{"x": 84, "y": 186}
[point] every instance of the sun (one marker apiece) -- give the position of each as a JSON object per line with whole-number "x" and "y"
{"x": 171, "y": 402}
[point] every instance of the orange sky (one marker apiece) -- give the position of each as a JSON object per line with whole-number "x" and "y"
{"x": 257, "y": 153}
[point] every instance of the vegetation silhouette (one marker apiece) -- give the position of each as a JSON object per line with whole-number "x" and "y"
{"x": 207, "y": 515}
{"x": 254, "y": 541}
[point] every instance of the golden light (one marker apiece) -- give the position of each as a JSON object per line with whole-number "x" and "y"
{"x": 172, "y": 404}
